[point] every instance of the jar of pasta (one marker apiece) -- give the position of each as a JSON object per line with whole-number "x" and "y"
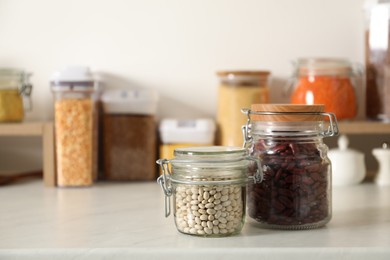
{"x": 14, "y": 89}
{"x": 238, "y": 89}
{"x": 75, "y": 126}
{"x": 330, "y": 82}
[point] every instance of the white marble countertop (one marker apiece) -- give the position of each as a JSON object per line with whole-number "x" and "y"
{"x": 117, "y": 221}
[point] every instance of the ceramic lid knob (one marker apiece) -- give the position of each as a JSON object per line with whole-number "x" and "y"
{"x": 343, "y": 142}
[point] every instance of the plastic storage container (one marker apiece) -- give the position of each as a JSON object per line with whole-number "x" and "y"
{"x": 129, "y": 135}
{"x": 208, "y": 186}
{"x": 14, "y": 87}
{"x": 238, "y": 89}
{"x": 75, "y": 126}
{"x": 296, "y": 188}
{"x": 179, "y": 133}
{"x": 330, "y": 82}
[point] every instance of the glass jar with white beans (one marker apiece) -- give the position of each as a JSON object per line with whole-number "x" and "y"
{"x": 208, "y": 187}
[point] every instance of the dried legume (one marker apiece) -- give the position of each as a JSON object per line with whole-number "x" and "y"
{"x": 295, "y": 187}
{"x": 202, "y": 217}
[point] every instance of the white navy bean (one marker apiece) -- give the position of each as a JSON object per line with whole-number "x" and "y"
{"x": 209, "y": 205}
{"x": 209, "y": 209}
{"x": 208, "y": 231}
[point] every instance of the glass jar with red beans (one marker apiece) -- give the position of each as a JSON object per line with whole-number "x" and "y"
{"x": 288, "y": 140}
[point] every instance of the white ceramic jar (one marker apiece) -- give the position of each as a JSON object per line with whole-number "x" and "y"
{"x": 383, "y": 157}
{"x": 348, "y": 165}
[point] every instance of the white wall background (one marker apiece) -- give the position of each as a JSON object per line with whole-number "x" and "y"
{"x": 172, "y": 46}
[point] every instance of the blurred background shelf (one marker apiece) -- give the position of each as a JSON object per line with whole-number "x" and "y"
{"x": 363, "y": 127}
{"x": 40, "y": 129}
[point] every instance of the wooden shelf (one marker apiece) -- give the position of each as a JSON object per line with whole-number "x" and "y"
{"x": 363, "y": 127}
{"x": 46, "y": 131}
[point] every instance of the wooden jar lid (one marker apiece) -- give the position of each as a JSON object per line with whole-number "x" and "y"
{"x": 286, "y": 109}
{"x": 256, "y": 73}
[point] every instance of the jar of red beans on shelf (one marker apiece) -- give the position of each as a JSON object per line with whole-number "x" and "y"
{"x": 288, "y": 141}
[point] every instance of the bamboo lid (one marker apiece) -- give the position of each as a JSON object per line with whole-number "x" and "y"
{"x": 286, "y": 109}
{"x": 260, "y": 73}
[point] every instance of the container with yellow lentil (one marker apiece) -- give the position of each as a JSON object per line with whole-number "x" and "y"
{"x": 14, "y": 89}
{"x": 238, "y": 89}
{"x": 75, "y": 127}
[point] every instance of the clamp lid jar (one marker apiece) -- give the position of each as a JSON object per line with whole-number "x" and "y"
{"x": 288, "y": 141}
{"x": 15, "y": 89}
{"x": 208, "y": 186}
{"x": 327, "y": 81}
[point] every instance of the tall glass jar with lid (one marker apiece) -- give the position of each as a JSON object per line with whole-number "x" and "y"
{"x": 238, "y": 89}
{"x": 75, "y": 126}
{"x": 296, "y": 188}
{"x": 14, "y": 87}
{"x": 208, "y": 186}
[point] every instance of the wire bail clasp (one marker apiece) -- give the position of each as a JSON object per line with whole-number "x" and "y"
{"x": 165, "y": 183}
{"x": 246, "y": 129}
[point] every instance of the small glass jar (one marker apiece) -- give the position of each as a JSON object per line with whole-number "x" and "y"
{"x": 331, "y": 82}
{"x": 238, "y": 89}
{"x": 296, "y": 189}
{"x": 14, "y": 86}
{"x": 208, "y": 185}
{"x": 75, "y": 127}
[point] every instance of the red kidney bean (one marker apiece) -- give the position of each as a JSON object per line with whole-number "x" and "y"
{"x": 295, "y": 188}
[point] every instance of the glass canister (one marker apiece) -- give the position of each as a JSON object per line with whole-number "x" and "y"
{"x": 327, "y": 81}
{"x": 288, "y": 141}
{"x": 75, "y": 126}
{"x": 377, "y": 60}
{"x": 238, "y": 89}
{"x": 14, "y": 87}
{"x": 208, "y": 186}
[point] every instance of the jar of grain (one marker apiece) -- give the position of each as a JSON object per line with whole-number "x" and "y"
{"x": 75, "y": 126}
{"x": 238, "y": 89}
{"x": 288, "y": 141}
{"x": 15, "y": 88}
{"x": 129, "y": 135}
{"x": 208, "y": 186}
{"x": 327, "y": 81}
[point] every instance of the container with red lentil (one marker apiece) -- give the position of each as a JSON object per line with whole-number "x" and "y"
{"x": 75, "y": 126}
{"x": 326, "y": 81}
{"x": 296, "y": 189}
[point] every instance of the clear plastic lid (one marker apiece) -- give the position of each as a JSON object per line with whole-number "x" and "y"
{"x": 127, "y": 101}
{"x": 195, "y": 131}
{"x": 73, "y": 78}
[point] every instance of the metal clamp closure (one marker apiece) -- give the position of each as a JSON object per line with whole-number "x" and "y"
{"x": 165, "y": 182}
{"x": 331, "y": 131}
{"x": 258, "y": 177}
